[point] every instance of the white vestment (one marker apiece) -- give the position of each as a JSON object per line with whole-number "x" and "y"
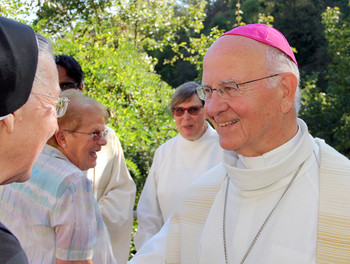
{"x": 176, "y": 165}
{"x": 115, "y": 191}
{"x": 194, "y": 233}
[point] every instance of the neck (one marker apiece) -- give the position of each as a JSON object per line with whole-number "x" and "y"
{"x": 272, "y": 141}
{"x": 204, "y": 129}
{"x": 271, "y": 157}
{"x": 11, "y": 172}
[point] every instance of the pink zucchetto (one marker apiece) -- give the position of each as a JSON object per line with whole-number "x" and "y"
{"x": 264, "y": 34}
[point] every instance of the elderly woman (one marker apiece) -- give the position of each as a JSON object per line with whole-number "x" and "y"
{"x": 54, "y": 214}
{"x": 177, "y": 163}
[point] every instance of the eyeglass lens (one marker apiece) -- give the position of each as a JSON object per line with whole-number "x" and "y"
{"x": 61, "y": 106}
{"x": 68, "y": 85}
{"x": 97, "y": 135}
{"x": 229, "y": 89}
{"x": 192, "y": 110}
{"x": 226, "y": 90}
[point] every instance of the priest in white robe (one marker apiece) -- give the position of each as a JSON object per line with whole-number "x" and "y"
{"x": 177, "y": 163}
{"x": 280, "y": 195}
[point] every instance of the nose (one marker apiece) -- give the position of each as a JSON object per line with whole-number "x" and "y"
{"x": 215, "y": 105}
{"x": 186, "y": 115}
{"x": 102, "y": 140}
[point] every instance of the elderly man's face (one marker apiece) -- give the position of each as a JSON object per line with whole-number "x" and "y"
{"x": 36, "y": 120}
{"x": 250, "y": 123}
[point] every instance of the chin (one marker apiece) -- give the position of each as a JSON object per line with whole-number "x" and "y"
{"x": 20, "y": 177}
{"x": 91, "y": 165}
{"x": 25, "y": 176}
{"x": 227, "y": 145}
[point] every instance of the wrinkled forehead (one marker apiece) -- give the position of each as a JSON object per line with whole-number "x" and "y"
{"x": 233, "y": 56}
{"x": 233, "y": 45}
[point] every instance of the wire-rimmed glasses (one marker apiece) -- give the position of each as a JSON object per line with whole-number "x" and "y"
{"x": 61, "y": 104}
{"x": 225, "y": 90}
{"x": 68, "y": 85}
{"x": 95, "y": 135}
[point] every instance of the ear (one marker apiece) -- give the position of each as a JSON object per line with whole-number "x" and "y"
{"x": 61, "y": 138}
{"x": 289, "y": 86}
{"x": 81, "y": 86}
{"x": 8, "y": 123}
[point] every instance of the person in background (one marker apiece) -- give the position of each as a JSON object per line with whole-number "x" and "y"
{"x": 280, "y": 195}
{"x": 59, "y": 220}
{"x": 177, "y": 163}
{"x": 113, "y": 186}
{"x": 29, "y": 105}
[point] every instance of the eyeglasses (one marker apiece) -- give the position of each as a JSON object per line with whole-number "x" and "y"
{"x": 68, "y": 85}
{"x": 95, "y": 135}
{"x": 61, "y": 104}
{"x": 192, "y": 110}
{"x": 225, "y": 90}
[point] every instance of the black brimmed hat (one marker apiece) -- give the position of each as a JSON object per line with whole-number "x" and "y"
{"x": 18, "y": 63}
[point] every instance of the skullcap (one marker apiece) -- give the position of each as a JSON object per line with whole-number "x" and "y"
{"x": 18, "y": 63}
{"x": 264, "y": 34}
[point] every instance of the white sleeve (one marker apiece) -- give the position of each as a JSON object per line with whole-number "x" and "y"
{"x": 149, "y": 215}
{"x": 154, "y": 250}
{"x": 115, "y": 194}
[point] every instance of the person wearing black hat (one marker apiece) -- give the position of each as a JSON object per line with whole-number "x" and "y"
{"x": 29, "y": 107}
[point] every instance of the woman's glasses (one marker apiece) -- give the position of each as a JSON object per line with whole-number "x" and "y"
{"x": 95, "y": 135}
{"x": 192, "y": 110}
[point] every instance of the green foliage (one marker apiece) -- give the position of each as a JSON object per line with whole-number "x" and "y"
{"x": 327, "y": 110}
{"x": 337, "y": 31}
{"x": 194, "y": 50}
{"x": 314, "y": 108}
{"x": 56, "y": 15}
{"x": 15, "y": 9}
{"x": 122, "y": 79}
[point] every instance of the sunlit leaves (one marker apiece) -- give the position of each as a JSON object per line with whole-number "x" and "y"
{"x": 122, "y": 79}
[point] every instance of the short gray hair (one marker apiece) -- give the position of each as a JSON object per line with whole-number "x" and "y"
{"x": 183, "y": 93}
{"x": 45, "y": 48}
{"x": 279, "y": 62}
{"x": 43, "y": 44}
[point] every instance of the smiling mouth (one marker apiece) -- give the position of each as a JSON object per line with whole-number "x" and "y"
{"x": 93, "y": 154}
{"x": 228, "y": 123}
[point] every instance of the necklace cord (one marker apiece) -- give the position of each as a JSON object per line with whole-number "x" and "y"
{"x": 224, "y": 219}
{"x": 265, "y": 222}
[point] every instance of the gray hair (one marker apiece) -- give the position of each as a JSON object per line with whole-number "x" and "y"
{"x": 45, "y": 49}
{"x": 279, "y": 62}
{"x": 43, "y": 44}
{"x": 184, "y": 93}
